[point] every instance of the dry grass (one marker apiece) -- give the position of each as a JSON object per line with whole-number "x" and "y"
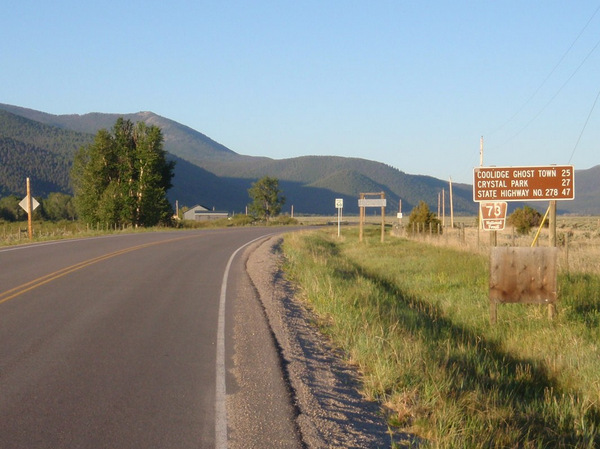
{"x": 578, "y": 239}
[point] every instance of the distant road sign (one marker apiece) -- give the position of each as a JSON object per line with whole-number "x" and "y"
{"x": 339, "y": 203}
{"x": 24, "y": 204}
{"x": 553, "y": 182}
{"x": 493, "y": 215}
{"x": 372, "y": 202}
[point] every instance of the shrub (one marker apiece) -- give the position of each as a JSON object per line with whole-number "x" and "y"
{"x": 524, "y": 219}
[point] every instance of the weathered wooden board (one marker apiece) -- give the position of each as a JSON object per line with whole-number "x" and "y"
{"x": 523, "y": 275}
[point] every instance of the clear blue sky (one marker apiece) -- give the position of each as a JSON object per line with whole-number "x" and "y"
{"x": 413, "y": 84}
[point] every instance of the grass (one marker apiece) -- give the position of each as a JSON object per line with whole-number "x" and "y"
{"x": 14, "y": 233}
{"x": 414, "y": 318}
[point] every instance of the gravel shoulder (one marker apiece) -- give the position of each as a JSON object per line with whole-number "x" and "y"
{"x": 329, "y": 411}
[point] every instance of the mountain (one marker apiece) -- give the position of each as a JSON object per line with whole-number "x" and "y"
{"x": 41, "y": 152}
{"x": 180, "y": 140}
{"x": 587, "y": 194}
{"x": 211, "y": 174}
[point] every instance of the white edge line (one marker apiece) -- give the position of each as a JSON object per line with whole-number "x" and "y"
{"x": 220, "y": 390}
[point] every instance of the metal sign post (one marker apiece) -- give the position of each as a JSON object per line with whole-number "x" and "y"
{"x": 339, "y": 205}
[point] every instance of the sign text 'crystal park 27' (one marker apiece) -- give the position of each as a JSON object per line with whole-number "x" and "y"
{"x": 553, "y": 182}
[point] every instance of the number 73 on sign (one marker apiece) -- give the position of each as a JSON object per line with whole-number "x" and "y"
{"x": 493, "y": 215}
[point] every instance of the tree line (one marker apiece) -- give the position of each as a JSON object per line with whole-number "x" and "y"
{"x": 120, "y": 179}
{"x": 55, "y": 207}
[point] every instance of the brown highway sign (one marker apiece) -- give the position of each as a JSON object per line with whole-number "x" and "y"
{"x": 493, "y": 215}
{"x": 542, "y": 183}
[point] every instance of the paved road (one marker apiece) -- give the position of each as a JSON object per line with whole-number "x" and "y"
{"x": 114, "y": 342}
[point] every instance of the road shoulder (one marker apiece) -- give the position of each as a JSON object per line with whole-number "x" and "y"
{"x": 324, "y": 389}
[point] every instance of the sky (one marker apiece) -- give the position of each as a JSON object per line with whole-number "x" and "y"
{"x": 412, "y": 84}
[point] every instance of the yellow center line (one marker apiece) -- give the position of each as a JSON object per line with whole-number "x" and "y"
{"x": 31, "y": 285}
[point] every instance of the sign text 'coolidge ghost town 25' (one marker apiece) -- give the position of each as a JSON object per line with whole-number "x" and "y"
{"x": 553, "y": 182}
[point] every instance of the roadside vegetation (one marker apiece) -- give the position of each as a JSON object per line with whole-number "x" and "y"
{"x": 414, "y": 318}
{"x": 16, "y": 232}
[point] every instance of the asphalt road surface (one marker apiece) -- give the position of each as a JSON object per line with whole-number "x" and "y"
{"x": 125, "y": 342}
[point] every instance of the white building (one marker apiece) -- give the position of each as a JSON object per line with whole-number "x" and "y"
{"x": 199, "y": 213}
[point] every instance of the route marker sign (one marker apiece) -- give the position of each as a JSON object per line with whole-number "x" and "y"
{"x": 541, "y": 183}
{"x": 493, "y": 215}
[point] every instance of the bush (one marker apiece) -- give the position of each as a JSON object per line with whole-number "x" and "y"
{"x": 423, "y": 218}
{"x": 525, "y": 219}
{"x": 241, "y": 220}
{"x": 283, "y": 220}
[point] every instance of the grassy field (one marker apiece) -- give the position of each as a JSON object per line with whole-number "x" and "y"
{"x": 14, "y": 233}
{"x": 413, "y": 316}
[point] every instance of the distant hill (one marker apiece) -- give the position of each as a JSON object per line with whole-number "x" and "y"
{"x": 348, "y": 177}
{"x": 41, "y": 152}
{"x": 20, "y": 161}
{"x": 211, "y": 174}
{"x": 180, "y": 140}
{"x": 587, "y": 194}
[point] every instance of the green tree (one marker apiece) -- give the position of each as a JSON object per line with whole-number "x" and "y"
{"x": 122, "y": 177}
{"x": 10, "y": 209}
{"x": 59, "y": 206}
{"x": 524, "y": 219}
{"x": 423, "y": 218}
{"x": 267, "y": 200}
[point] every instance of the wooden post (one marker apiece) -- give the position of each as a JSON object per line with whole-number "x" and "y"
{"x": 443, "y": 208}
{"x": 479, "y": 214}
{"x": 552, "y": 224}
{"x": 361, "y": 219}
{"x": 451, "y": 207}
{"x": 479, "y": 226}
{"x": 382, "y": 218}
{"x": 567, "y": 252}
{"x": 29, "y": 211}
{"x": 494, "y": 238}
{"x": 493, "y": 312}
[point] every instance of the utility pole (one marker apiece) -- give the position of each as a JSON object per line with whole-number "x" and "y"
{"x": 451, "y": 206}
{"x": 29, "y": 211}
{"x": 493, "y": 234}
{"x": 443, "y": 208}
{"x": 479, "y": 217}
{"x": 481, "y": 152}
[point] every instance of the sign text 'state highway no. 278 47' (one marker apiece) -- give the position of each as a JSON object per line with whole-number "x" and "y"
{"x": 554, "y": 182}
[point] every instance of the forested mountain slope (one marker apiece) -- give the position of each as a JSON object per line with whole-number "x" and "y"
{"x": 42, "y": 145}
